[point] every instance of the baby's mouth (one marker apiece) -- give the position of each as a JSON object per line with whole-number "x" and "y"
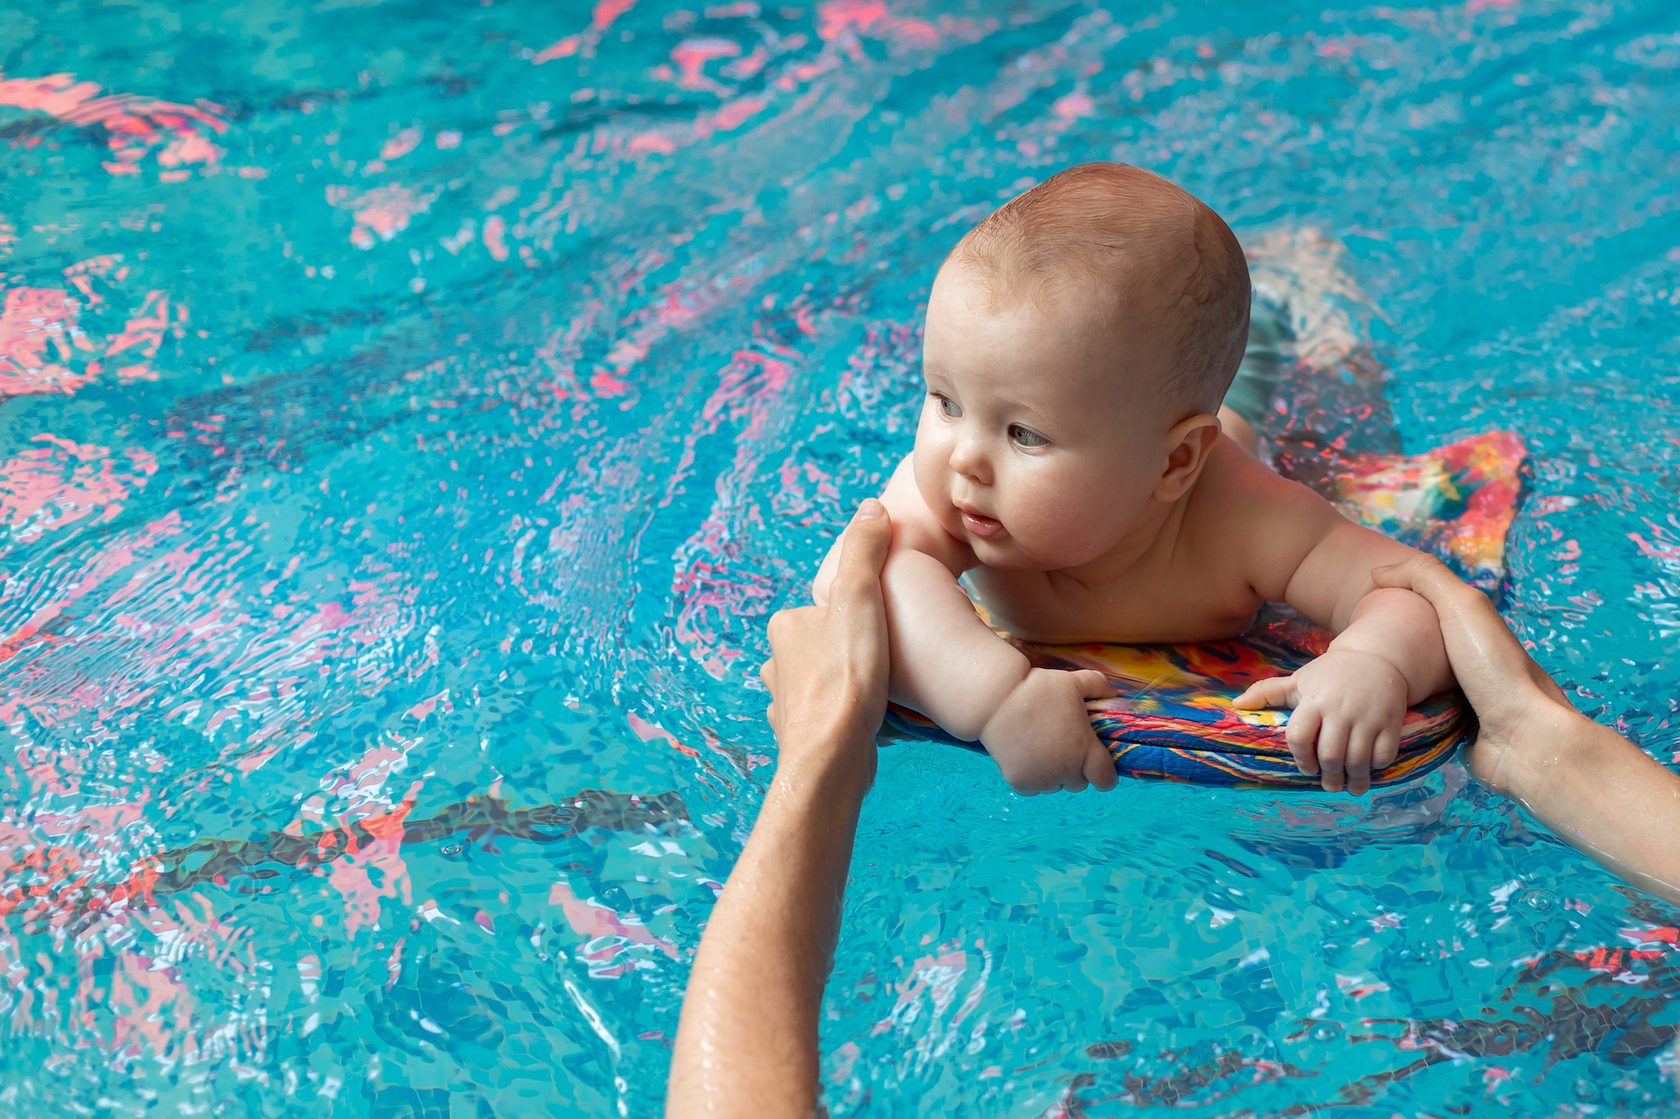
{"x": 979, "y": 525}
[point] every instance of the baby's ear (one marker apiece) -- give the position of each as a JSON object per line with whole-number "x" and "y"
{"x": 1189, "y": 444}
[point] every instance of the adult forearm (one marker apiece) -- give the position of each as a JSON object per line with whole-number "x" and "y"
{"x": 1598, "y": 792}
{"x": 747, "y": 1042}
{"x": 1401, "y": 627}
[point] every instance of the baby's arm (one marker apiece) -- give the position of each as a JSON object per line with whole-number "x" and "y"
{"x": 1387, "y": 654}
{"x": 949, "y": 665}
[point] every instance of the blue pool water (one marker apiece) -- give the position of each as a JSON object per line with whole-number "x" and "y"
{"x": 412, "y": 413}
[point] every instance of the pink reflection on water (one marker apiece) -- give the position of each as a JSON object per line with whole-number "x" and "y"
{"x": 651, "y": 732}
{"x": 380, "y": 213}
{"x": 1664, "y": 543}
{"x": 37, "y": 336}
{"x": 841, "y": 21}
{"x": 59, "y": 481}
{"x": 807, "y": 496}
{"x": 670, "y": 311}
{"x": 46, "y": 346}
{"x": 143, "y": 334}
{"x": 938, "y": 979}
{"x": 137, "y": 1005}
{"x": 372, "y": 868}
{"x": 135, "y": 126}
{"x": 402, "y": 143}
{"x": 1073, "y": 106}
{"x": 691, "y": 56}
{"x": 495, "y": 230}
{"x": 606, "y": 11}
{"x": 596, "y": 922}
{"x": 715, "y": 597}
{"x": 150, "y": 1007}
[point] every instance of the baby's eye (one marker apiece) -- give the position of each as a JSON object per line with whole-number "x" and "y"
{"x": 947, "y": 407}
{"x": 1026, "y": 436}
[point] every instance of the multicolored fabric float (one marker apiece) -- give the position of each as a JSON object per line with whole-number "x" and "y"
{"x": 1173, "y": 719}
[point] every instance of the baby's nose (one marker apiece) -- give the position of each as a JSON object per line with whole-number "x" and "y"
{"x": 968, "y": 458}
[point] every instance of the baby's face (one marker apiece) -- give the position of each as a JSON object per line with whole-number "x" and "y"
{"x": 1043, "y": 433}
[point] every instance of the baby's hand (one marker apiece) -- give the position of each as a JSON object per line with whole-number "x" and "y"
{"x": 1041, "y": 734}
{"x": 1348, "y": 709}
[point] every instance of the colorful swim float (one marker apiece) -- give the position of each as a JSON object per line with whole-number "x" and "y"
{"x": 1173, "y": 719}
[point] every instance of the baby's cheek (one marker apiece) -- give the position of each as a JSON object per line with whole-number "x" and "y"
{"x": 923, "y": 470}
{"x": 931, "y": 484}
{"x": 1073, "y": 522}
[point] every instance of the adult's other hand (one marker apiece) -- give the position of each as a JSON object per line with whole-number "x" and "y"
{"x": 1589, "y": 785}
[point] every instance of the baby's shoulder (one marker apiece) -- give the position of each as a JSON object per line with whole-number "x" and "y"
{"x": 1242, "y": 504}
{"x": 1236, "y": 485}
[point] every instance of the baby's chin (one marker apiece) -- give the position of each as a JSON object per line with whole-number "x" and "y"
{"x": 1008, "y": 553}
{"x": 1004, "y": 554}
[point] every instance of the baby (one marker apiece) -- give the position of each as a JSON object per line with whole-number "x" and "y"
{"x": 1071, "y": 460}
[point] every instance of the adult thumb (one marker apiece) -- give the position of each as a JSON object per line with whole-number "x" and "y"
{"x": 868, "y": 539}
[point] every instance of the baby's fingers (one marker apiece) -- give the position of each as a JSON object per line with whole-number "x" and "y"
{"x": 1093, "y": 684}
{"x": 1332, "y": 754}
{"x": 1387, "y": 749}
{"x": 1279, "y": 691}
{"x": 1302, "y": 737}
{"x": 1358, "y": 764}
{"x": 1099, "y": 769}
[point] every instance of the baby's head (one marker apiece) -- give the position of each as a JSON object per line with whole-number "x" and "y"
{"x": 1147, "y": 263}
{"x": 1077, "y": 340}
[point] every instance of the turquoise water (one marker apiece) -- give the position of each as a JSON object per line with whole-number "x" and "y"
{"x": 412, "y": 412}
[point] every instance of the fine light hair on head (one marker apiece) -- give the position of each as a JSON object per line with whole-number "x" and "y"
{"x": 1140, "y": 242}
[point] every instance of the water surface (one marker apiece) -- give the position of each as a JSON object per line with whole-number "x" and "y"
{"x": 412, "y": 413}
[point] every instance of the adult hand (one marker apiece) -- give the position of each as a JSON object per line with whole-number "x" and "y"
{"x": 827, "y": 671}
{"x": 1514, "y": 699}
{"x": 1589, "y": 785}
